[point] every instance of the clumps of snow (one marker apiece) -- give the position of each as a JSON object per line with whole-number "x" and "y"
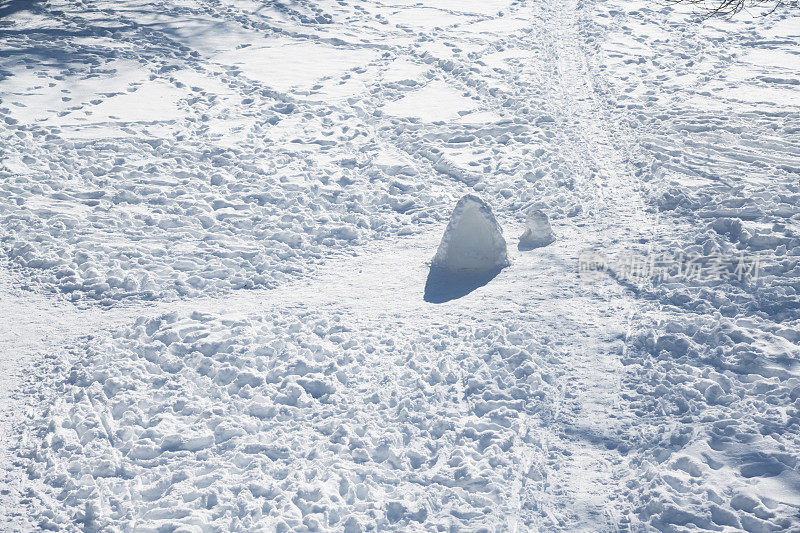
{"x": 288, "y": 422}
{"x": 724, "y": 430}
{"x": 473, "y": 240}
{"x": 537, "y": 230}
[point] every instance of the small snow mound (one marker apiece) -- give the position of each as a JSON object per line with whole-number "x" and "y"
{"x": 473, "y": 240}
{"x": 537, "y": 230}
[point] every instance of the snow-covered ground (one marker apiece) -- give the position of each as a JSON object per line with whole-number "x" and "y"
{"x": 216, "y": 224}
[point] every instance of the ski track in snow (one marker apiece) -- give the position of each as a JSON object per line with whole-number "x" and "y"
{"x": 222, "y": 212}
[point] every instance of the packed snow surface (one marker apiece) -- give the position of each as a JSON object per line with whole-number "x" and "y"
{"x": 215, "y": 223}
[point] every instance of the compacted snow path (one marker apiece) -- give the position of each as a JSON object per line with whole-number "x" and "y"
{"x": 225, "y": 212}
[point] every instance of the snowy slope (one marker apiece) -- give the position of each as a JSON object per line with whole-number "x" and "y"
{"x": 216, "y": 218}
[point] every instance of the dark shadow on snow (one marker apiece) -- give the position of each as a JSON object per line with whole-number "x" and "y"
{"x": 528, "y": 246}
{"x": 9, "y": 7}
{"x": 443, "y": 285}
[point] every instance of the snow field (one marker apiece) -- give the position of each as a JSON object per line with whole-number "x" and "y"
{"x": 219, "y": 154}
{"x": 237, "y": 184}
{"x": 489, "y": 446}
{"x": 278, "y": 422}
{"x": 712, "y": 365}
{"x": 730, "y": 459}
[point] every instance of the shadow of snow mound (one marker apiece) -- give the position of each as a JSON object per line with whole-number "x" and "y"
{"x": 524, "y": 246}
{"x": 444, "y": 285}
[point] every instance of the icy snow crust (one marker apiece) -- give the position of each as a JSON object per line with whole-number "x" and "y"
{"x": 473, "y": 240}
{"x": 157, "y": 158}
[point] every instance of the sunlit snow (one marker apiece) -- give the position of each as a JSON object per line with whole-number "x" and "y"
{"x": 399, "y": 265}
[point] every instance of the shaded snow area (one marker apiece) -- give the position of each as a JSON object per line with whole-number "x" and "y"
{"x": 408, "y": 266}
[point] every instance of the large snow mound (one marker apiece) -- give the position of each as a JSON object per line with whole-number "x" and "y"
{"x": 473, "y": 240}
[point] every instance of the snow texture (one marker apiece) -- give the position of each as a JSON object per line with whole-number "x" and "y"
{"x": 217, "y": 314}
{"x": 473, "y": 240}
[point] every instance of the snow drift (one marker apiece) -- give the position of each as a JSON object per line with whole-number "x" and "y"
{"x": 473, "y": 240}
